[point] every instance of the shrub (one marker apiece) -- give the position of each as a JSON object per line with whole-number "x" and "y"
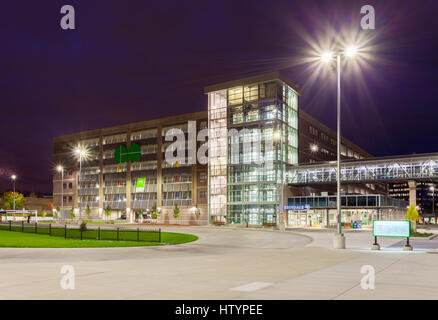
{"x": 83, "y": 226}
{"x": 176, "y": 212}
{"x": 88, "y": 211}
{"x": 72, "y": 213}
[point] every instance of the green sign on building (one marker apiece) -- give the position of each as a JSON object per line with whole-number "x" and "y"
{"x": 141, "y": 182}
{"x": 121, "y": 154}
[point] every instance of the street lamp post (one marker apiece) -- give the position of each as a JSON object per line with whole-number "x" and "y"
{"x": 79, "y": 179}
{"x": 279, "y": 208}
{"x": 81, "y": 153}
{"x": 61, "y": 170}
{"x": 339, "y": 239}
{"x": 433, "y": 201}
{"x": 14, "y": 177}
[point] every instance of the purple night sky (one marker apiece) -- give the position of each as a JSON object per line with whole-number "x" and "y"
{"x": 137, "y": 60}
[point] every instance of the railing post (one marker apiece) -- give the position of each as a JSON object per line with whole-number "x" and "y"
{"x": 50, "y": 229}
{"x": 10, "y": 225}
{"x": 98, "y": 233}
{"x": 159, "y": 235}
{"x": 65, "y": 231}
{"x": 36, "y": 227}
{"x": 22, "y": 225}
{"x": 117, "y": 233}
{"x": 138, "y": 235}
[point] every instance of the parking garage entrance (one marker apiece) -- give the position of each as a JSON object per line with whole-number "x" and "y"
{"x": 358, "y": 211}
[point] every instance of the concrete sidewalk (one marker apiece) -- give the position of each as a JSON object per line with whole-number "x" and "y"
{"x": 226, "y": 263}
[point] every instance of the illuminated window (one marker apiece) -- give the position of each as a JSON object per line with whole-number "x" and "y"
{"x": 203, "y": 177}
{"x": 251, "y": 93}
{"x": 235, "y": 96}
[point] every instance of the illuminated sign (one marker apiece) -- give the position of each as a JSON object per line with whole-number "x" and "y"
{"x": 121, "y": 154}
{"x": 299, "y": 207}
{"x": 141, "y": 182}
{"x": 392, "y": 228}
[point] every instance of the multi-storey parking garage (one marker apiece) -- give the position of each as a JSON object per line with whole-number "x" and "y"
{"x": 259, "y": 140}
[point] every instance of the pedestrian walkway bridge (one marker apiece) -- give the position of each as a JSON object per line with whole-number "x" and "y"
{"x": 383, "y": 169}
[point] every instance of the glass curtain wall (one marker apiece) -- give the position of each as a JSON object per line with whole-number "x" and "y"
{"x": 217, "y": 158}
{"x": 263, "y": 114}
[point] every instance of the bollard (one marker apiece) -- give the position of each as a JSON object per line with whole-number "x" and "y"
{"x": 10, "y": 225}
{"x": 22, "y": 226}
{"x": 36, "y": 227}
{"x": 65, "y": 231}
{"x": 138, "y": 235}
{"x": 117, "y": 233}
{"x": 50, "y": 229}
{"x": 98, "y": 233}
{"x": 159, "y": 235}
{"x": 407, "y": 247}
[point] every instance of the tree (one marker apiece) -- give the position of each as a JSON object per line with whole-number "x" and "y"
{"x": 175, "y": 211}
{"x": 8, "y": 200}
{"x": 72, "y": 213}
{"x": 154, "y": 211}
{"x": 88, "y": 211}
{"x": 412, "y": 215}
{"x": 56, "y": 213}
{"x": 108, "y": 211}
{"x": 197, "y": 212}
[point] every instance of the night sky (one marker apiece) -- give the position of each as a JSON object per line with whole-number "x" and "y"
{"x": 132, "y": 60}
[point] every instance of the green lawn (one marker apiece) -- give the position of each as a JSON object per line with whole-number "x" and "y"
{"x": 31, "y": 240}
{"x": 420, "y": 234}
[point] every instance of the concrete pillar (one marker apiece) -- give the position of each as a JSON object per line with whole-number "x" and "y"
{"x": 194, "y": 185}
{"x": 76, "y": 193}
{"x": 159, "y": 166}
{"x": 129, "y": 213}
{"x": 281, "y": 214}
{"x": 412, "y": 193}
{"x": 100, "y": 179}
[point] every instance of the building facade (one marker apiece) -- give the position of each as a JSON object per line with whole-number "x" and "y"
{"x": 425, "y": 195}
{"x": 358, "y": 211}
{"x": 256, "y": 130}
{"x": 248, "y": 186}
{"x": 130, "y": 188}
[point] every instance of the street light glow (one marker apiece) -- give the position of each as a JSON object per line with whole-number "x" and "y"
{"x": 59, "y": 168}
{"x": 13, "y": 177}
{"x": 327, "y": 56}
{"x": 81, "y": 152}
{"x": 314, "y": 147}
{"x": 351, "y": 51}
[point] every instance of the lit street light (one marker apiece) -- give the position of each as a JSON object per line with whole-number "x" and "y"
{"x": 314, "y": 148}
{"x": 433, "y": 201}
{"x": 81, "y": 153}
{"x": 14, "y": 177}
{"x": 339, "y": 240}
{"x": 60, "y": 169}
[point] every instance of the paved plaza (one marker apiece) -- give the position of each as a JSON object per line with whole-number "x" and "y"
{"x": 227, "y": 263}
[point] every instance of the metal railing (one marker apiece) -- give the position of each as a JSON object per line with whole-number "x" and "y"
{"x": 413, "y": 167}
{"x": 97, "y": 233}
